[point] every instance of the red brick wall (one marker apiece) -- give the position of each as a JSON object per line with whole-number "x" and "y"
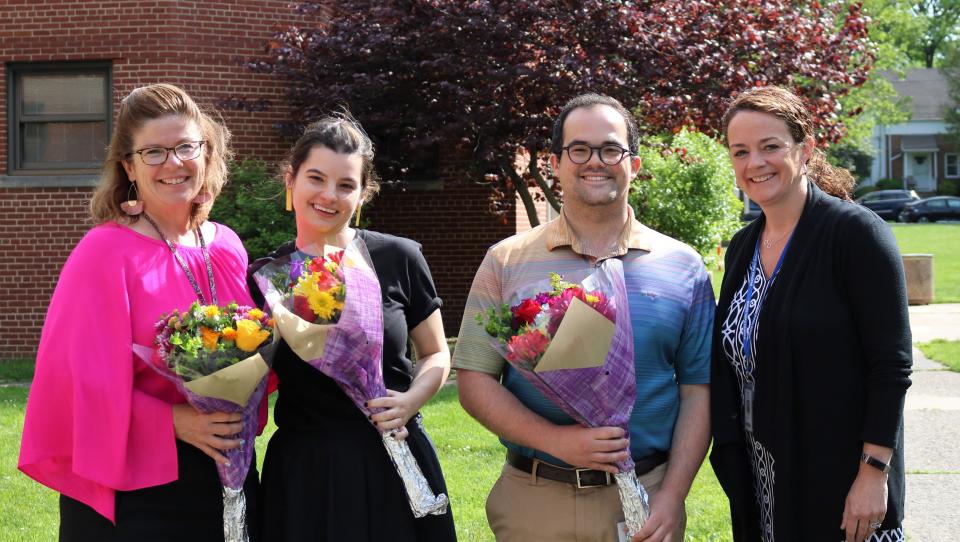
{"x": 455, "y": 229}
{"x": 199, "y": 45}
{"x": 38, "y": 228}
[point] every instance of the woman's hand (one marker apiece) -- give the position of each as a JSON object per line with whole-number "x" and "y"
{"x": 866, "y": 503}
{"x": 210, "y": 433}
{"x": 399, "y": 406}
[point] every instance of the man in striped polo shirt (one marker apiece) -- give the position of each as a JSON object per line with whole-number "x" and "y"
{"x": 554, "y": 484}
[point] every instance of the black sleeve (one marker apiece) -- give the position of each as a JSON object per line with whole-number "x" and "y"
{"x": 421, "y": 291}
{"x": 872, "y": 275}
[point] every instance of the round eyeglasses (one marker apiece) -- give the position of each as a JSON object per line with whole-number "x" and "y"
{"x": 610, "y": 154}
{"x": 154, "y": 156}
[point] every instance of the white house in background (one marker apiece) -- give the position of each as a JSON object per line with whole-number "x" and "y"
{"x": 917, "y": 152}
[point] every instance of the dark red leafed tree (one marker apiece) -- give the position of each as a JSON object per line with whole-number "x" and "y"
{"x": 485, "y": 79}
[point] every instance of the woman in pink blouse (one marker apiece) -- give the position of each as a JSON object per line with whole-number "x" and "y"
{"x": 131, "y": 459}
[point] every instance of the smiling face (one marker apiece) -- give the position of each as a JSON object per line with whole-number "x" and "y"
{"x": 170, "y": 187}
{"x": 327, "y": 189}
{"x": 594, "y": 184}
{"x": 767, "y": 161}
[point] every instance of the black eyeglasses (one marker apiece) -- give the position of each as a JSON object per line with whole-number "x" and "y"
{"x": 154, "y": 156}
{"x": 610, "y": 154}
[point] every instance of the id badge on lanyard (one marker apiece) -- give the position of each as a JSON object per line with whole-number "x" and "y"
{"x": 748, "y": 406}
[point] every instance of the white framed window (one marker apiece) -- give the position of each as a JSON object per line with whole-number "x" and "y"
{"x": 951, "y": 166}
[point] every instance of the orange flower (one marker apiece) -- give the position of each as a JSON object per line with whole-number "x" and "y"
{"x": 210, "y": 338}
{"x": 229, "y": 334}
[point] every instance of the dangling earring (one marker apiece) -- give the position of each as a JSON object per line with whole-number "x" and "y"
{"x": 356, "y": 221}
{"x": 133, "y": 206}
{"x": 289, "y": 205}
{"x": 202, "y": 197}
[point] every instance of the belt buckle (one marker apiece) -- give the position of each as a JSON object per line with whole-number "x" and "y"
{"x": 580, "y": 485}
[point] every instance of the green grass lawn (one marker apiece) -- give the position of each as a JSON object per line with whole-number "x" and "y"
{"x": 470, "y": 454}
{"x": 941, "y": 240}
{"x": 945, "y": 352}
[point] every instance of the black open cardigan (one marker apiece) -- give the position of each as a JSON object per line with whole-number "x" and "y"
{"x": 833, "y": 366}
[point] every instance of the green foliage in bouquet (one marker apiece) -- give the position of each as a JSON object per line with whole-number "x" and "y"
{"x": 206, "y": 338}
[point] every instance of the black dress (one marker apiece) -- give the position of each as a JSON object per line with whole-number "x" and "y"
{"x": 194, "y": 499}
{"x": 326, "y": 475}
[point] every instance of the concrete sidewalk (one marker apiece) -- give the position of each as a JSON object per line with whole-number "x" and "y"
{"x": 932, "y": 426}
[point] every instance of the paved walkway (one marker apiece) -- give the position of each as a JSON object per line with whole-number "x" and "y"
{"x": 932, "y": 425}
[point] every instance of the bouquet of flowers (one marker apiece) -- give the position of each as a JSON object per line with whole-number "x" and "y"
{"x": 218, "y": 357}
{"x": 574, "y": 343}
{"x": 328, "y": 309}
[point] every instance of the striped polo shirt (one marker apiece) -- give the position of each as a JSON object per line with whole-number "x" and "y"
{"x": 671, "y": 311}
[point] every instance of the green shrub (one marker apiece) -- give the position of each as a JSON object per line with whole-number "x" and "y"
{"x": 252, "y": 205}
{"x": 889, "y": 184}
{"x": 864, "y": 189}
{"x": 686, "y": 190}
{"x": 949, "y": 187}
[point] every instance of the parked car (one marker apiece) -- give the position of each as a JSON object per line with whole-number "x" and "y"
{"x": 932, "y": 210}
{"x": 888, "y": 203}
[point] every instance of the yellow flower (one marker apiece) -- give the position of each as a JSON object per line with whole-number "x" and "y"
{"x": 250, "y": 336}
{"x": 210, "y": 338}
{"x": 229, "y": 334}
{"x": 210, "y": 311}
{"x": 322, "y": 304}
{"x": 591, "y": 298}
{"x": 255, "y": 314}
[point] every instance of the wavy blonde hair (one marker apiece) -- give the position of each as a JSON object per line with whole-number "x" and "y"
{"x": 140, "y": 106}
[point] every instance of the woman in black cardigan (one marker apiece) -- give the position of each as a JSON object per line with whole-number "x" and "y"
{"x": 812, "y": 348}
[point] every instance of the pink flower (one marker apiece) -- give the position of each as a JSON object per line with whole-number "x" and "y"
{"x": 527, "y": 347}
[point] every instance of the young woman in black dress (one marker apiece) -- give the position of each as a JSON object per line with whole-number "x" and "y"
{"x": 326, "y": 474}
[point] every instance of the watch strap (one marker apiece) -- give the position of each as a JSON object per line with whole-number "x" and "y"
{"x": 875, "y": 463}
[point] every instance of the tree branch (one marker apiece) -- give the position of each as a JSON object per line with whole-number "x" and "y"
{"x": 522, "y": 190}
{"x": 547, "y": 192}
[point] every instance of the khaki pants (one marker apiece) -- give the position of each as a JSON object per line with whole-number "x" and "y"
{"x": 521, "y": 508}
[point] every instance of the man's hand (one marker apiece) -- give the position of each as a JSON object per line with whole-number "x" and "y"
{"x": 597, "y": 448}
{"x": 664, "y": 520}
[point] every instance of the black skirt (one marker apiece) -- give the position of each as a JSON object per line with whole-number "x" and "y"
{"x": 186, "y": 510}
{"x": 335, "y": 482}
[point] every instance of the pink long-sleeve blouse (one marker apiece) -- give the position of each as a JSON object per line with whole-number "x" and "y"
{"x": 99, "y": 420}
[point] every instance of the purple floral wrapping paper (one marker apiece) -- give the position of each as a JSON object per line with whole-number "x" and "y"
{"x": 234, "y": 474}
{"x": 353, "y": 355}
{"x": 596, "y": 396}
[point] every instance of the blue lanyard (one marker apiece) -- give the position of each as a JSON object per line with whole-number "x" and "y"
{"x": 754, "y": 268}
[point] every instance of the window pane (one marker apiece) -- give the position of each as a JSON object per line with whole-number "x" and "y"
{"x": 954, "y": 203}
{"x": 58, "y": 94}
{"x": 64, "y": 142}
{"x": 937, "y": 204}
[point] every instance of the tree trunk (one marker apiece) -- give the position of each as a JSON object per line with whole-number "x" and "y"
{"x": 535, "y": 171}
{"x": 524, "y": 193}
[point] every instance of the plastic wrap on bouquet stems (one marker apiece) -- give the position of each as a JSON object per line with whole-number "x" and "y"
{"x": 349, "y": 351}
{"x": 599, "y": 395}
{"x": 234, "y": 473}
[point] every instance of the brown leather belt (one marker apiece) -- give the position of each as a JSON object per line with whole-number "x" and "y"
{"x": 581, "y": 478}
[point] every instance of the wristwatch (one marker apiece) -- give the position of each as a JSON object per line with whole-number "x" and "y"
{"x": 875, "y": 463}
